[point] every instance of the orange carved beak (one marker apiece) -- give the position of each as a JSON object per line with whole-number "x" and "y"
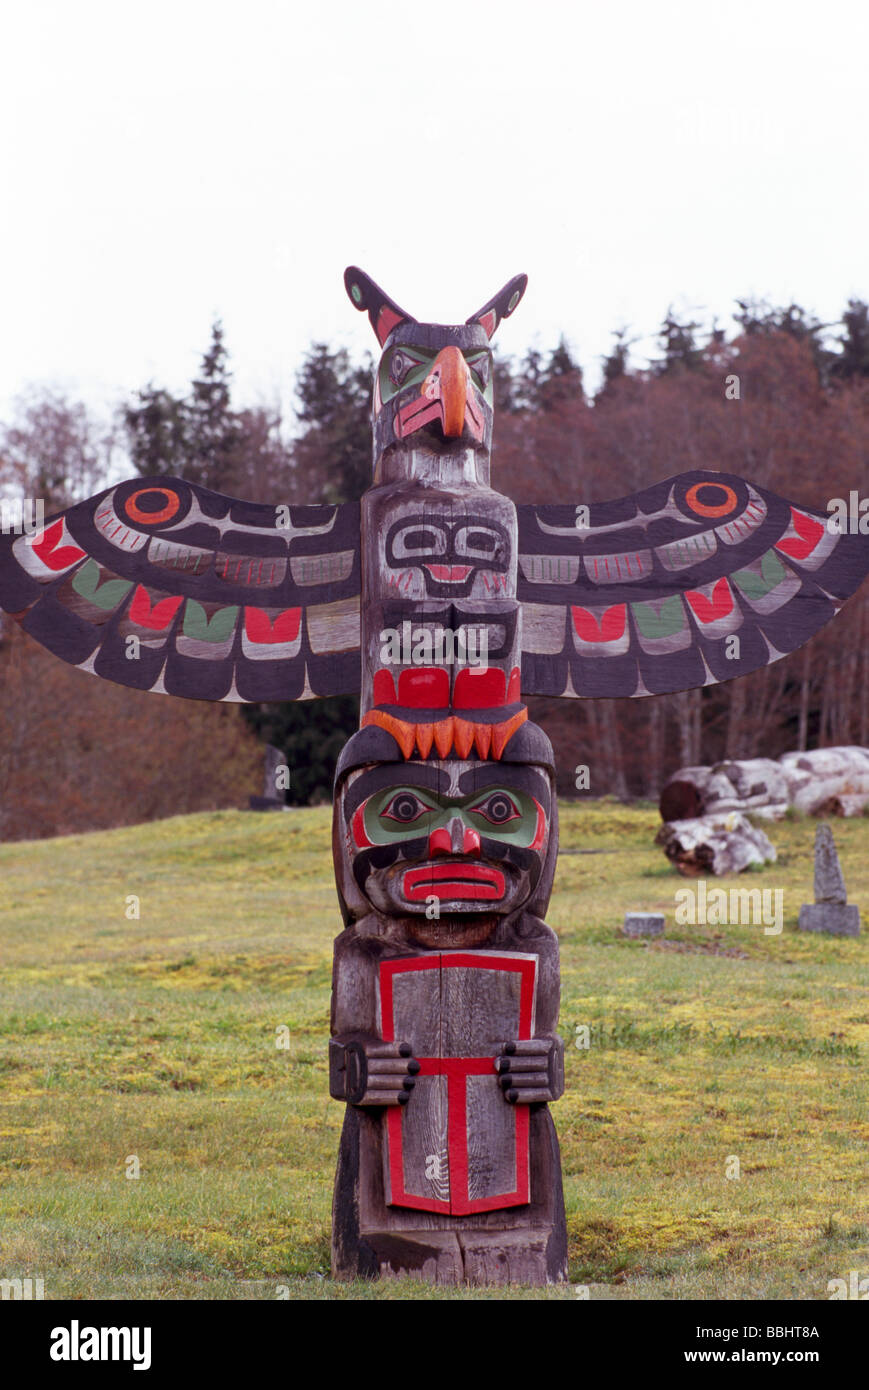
{"x": 448, "y": 382}
{"x": 447, "y": 396}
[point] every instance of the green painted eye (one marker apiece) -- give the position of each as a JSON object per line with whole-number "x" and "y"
{"x": 399, "y": 813}
{"x": 401, "y": 367}
{"x": 514, "y": 300}
{"x": 481, "y": 366}
{"x": 356, "y": 293}
{"x": 498, "y": 809}
{"x": 404, "y": 808}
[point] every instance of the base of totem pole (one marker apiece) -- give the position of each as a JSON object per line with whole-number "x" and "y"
{"x": 515, "y": 1245}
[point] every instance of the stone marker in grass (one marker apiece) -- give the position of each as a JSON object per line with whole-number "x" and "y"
{"x": 830, "y": 912}
{"x": 276, "y": 779}
{"x": 643, "y": 924}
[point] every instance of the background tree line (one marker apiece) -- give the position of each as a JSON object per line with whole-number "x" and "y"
{"x": 78, "y": 753}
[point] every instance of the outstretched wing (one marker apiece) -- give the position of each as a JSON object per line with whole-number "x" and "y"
{"x": 695, "y": 580}
{"x": 162, "y": 585}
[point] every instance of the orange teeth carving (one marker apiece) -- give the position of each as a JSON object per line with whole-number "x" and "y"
{"x": 443, "y": 736}
{"x": 463, "y": 736}
{"x": 448, "y": 735}
{"x": 483, "y": 739}
{"x": 424, "y": 738}
{"x": 502, "y": 732}
{"x": 401, "y": 732}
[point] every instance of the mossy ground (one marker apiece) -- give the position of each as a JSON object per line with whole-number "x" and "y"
{"x": 157, "y": 1038}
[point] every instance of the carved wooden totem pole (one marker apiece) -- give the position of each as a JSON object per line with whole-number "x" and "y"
{"x": 443, "y": 604}
{"x": 446, "y": 990}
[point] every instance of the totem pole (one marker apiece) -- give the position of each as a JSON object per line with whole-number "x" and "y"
{"x": 443, "y": 604}
{"x": 446, "y": 988}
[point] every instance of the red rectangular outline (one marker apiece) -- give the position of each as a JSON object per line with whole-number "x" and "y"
{"x": 457, "y": 1070}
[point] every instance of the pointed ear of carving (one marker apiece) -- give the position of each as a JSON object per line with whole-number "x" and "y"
{"x": 501, "y": 305}
{"x": 383, "y": 312}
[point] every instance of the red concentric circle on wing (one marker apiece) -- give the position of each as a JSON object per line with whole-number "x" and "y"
{"x": 713, "y": 505}
{"x": 150, "y": 506}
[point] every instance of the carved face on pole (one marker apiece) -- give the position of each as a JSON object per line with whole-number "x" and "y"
{"x": 434, "y": 381}
{"x": 462, "y": 834}
{"x": 444, "y": 838}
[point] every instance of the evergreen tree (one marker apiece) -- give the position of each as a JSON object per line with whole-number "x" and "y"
{"x": 199, "y": 436}
{"x": 758, "y": 316}
{"x": 679, "y": 343}
{"x": 310, "y": 735}
{"x": 853, "y": 360}
{"x": 527, "y": 380}
{"x": 334, "y": 447}
{"x": 158, "y": 433}
{"x": 615, "y": 364}
{"x": 506, "y": 394}
{"x": 542, "y": 382}
{"x": 561, "y": 379}
{"x": 215, "y": 430}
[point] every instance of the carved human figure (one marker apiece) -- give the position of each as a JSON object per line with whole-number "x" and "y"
{"x": 444, "y": 1011}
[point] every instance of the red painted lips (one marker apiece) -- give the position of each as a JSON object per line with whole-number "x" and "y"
{"x": 449, "y": 574}
{"x": 458, "y": 879}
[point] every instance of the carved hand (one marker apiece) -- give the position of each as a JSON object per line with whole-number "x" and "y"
{"x": 366, "y": 1071}
{"x": 531, "y": 1071}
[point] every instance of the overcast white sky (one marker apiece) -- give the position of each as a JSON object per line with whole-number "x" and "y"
{"x": 165, "y": 163}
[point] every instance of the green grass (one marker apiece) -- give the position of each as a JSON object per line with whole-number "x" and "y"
{"x": 156, "y": 1038}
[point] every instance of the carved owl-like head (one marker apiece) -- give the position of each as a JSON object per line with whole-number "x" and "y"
{"x": 434, "y": 380}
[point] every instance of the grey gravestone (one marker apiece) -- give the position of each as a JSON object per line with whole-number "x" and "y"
{"x": 272, "y": 798}
{"x": 643, "y": 924}
{"x": 830, "y": 912}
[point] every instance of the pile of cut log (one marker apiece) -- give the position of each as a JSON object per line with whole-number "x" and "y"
{"x": 704, "y": 809}
{"x": 824, "y": 782}
{"x": 716, "y": 844}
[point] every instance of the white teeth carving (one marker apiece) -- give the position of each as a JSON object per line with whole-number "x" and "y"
{"x": 692, "y": 550}
{"x": 549, "y": 569}
{"x": 627, "y": 568}
{"x": 322, "y": 569}
{"x": 190, "y": 559}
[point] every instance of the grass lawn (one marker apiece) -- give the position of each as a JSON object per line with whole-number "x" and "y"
{"x": 156, "y": 1039}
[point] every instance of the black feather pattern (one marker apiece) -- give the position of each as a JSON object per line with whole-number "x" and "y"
{"x": 696, "y": 580}
{"x": 225, "y": 600}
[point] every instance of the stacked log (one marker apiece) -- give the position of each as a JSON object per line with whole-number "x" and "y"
{"x": 716, "y": 844}
{"x": 824, "y": 782}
